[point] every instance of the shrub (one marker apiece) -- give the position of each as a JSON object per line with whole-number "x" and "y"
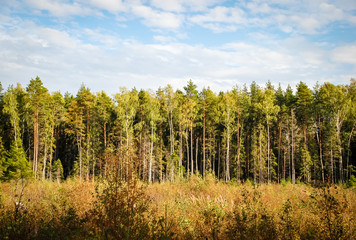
{"x": 120, "y": 211}
{"x": 351, "y": 182}
{"x": 251, "y": 220}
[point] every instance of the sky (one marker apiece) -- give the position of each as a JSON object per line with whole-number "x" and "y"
{"x": 108, "y": 44}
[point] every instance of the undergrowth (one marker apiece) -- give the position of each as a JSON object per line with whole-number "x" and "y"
{"x": 117, "y": 208}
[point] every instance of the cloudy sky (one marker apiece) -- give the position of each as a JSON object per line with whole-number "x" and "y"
{"x": 145, "y": 44}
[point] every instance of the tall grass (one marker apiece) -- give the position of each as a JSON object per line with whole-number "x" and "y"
{"x": 190, "y": 209}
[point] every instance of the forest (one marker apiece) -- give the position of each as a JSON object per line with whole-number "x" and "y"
{"x": 249, "y": 133}
{"x": 249, "y": 163}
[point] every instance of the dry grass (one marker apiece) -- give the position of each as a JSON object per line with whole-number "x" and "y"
{"x": 193, "y": 209}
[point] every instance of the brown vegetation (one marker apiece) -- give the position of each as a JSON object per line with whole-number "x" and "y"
{"x": 186, "y": 209}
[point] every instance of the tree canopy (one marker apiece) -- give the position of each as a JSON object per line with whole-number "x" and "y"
{"x": 255, "y": 133}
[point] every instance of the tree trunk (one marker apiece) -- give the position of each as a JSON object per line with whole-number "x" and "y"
{"x": 284, "y": 163}
{"x": 219, "y": 160}
{"x": 187, "y": 144}
{"x": 191, "y": 147}
{"x": 93, "y": 176}
{"x": 260, "y": 156}
{"x": 319, "y": 139}
{"x": 87, "y": 145}
{"x": 51, "y": 154}
{"x": 161, "y": 158}
{"x": 151, "y": 155}
{"x": 348, "y": 152}
{"x": 105, "y": 135}
{"x": 293, "y": 167}
{"x": 127, "y": 146}
{"x": 79, "y": 143}
{"x": 279, "y": 149}
{"x": 204, "y": 159}
{"x": 44, "y": 162}
{"x": 254, "y": 156}
{"x": 180, "y": 150}
{"x": 289, "y": 158}
{"x": 171, "y": 133}
{"x": 238, "y": 176}
{"x": 248, "y": 140}
{"x": 338, "y": 127}
{"x": 227, "y": 177}
{"x": 196, "y": 155}
{"x": 35, "y": 141}
{"x": 331, "y": 162}
{"x": 268, "y": 157}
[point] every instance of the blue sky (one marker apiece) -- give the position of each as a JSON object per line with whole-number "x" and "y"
{"x": 107, "y": 44}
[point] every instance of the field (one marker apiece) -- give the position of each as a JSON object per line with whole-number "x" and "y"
{"x": 186, "y": 209}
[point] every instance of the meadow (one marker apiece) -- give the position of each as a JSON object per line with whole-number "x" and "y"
{"x": 185, "y": 209}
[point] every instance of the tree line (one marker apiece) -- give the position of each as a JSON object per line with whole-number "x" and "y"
{"x": 260, "y": 134}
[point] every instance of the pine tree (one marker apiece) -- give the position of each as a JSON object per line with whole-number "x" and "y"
{"x": 126, "y": 108}
{"x": 36, "y": 92}
{"x": 16, "y": 165}
{"x": 192, "y": 96}
{"x": 304, "y": 101}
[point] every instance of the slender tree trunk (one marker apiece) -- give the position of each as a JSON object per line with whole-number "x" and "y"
{"x": 187, "y": 145}
{"x": 191, "y": 147}
{"x": 279, "y": 149}
{"x": 140, "y": 155}
{"x": 219, "y": 160}
{"x": 14, "y": 119}
{"x": 161, "y": 151}
{"x": 214, "y": 160}
{"x": 238, "y": 173}
{"x": 161, "y": 159}
{"x": 79, "y": 143}
{"x": 127, "y": 146}
{"x": 105, "y": 134}
{"x": 196, "y": 155}
{"x": 319, "y": 139}
{"x": 305, "y": 128}
{"x": 180, "y": 150}
{"x": 268, "y": 151}
{"x": 338, "y": 127}
{"x": 289, "y": 158}
{"x": 204, "y": 159}
{"x": 93, "y": 176}
{"x": 227, "y": 177}
{"x": 171, "y": 133}
{"x": 51, "y": 154}
{"x": 260, "y": 156}
{"x": 284, "y": 163}
{"x": 151, "y": 155}
{"x": 293, "y": 167}
{"x": 348, "y": 152}
{"x": 44, "y": 162}
{"x": 87, "y": 145}
{"x": 35, "y": 141}
{"x": 254, "y": 156}
{"x": 248, "y": 141}
{"x": 332, "y": 162}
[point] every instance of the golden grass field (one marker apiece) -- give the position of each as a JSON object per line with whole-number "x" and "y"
{"x": 187, "y": 209}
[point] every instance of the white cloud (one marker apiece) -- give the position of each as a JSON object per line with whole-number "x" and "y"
{"x": 103, "y": 60}
{"x": 109, "y": 5}
{"x": 169, "y": 5}
{"x": 154, "y": 18}
{"x": 220, "y": 19}
{"x": 61, "y": 9}
{"x": 163, "y": 39}
{"x": 64, "y": 62}
{"x": 345, "y": 54}
{"x": 220, "y": 14}
{"x": 184, "y": 5}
